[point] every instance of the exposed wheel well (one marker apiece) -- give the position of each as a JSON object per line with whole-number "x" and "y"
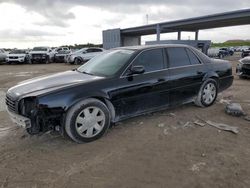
{"x": 109, "y": 105}
{"x": 105, "y": 101}
{"x": 216, "y": 79}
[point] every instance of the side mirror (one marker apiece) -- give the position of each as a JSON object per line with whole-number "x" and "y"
{"x": 137, "y": 70}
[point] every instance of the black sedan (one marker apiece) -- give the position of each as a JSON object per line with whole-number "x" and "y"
{"x": 118, "y": 84}
{"x": 243, "y": 68}
{"x": 245, "y": 53}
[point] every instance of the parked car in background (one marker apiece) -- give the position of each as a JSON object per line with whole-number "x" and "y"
{"x": 116, "y": 85}
{"x": 244, "y": 48}
{"x": 3, "y": 55}
{"x": 83, "y": 55}
{"x": 61, "y": 54}
{"x": 17, "y": 56}
{"x": 216, "y": 53}
{"x": 40, "y": 55}
{"x": 233, "y": 49}
{"x": 228, "y": 51}
{"x": 245, "y": 53}
{"x": 243, "y": 67}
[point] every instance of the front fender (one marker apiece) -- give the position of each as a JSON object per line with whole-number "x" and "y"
{"x": 64, "y": 100}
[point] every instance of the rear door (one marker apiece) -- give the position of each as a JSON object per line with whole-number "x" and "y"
{"x": 143, "y": 92}
{"x": 186, "y": 72}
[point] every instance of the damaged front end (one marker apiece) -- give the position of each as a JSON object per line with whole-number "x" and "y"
{"x": 32, "y": 116}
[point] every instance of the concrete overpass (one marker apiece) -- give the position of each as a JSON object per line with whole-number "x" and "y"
{"x": 132, "y": 36}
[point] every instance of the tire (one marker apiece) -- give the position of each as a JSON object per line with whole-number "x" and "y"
{"x": 81, "y": 123}
{"x": 221, "y": 56}
{"x": 47, "y": 61}
{"x": 208, "y": 97}
{"x": 77, "y": 61}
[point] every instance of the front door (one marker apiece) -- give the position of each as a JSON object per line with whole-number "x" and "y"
{"x": 143, "y": 92}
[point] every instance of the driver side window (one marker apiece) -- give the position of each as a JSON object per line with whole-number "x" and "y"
{"x": 151, "y": 60}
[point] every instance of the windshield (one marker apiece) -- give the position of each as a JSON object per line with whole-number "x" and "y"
{"x": 18, "y": 52}
{"x": 106, "y": 64}
{"x": 39, "y": 49}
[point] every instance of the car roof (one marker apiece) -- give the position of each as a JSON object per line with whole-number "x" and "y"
{"x": 41, "y": 47}
{"x": 143, "y": 47}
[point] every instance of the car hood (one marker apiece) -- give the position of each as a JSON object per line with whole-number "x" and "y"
{"x": 16, "y": 55}
{"x": 245, "y": 60}
{"x": 49, "y": 83}
{"x": 38, "y": 52}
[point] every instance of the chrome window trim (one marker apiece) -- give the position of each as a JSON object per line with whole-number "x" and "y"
{"x": 163, "y": 48}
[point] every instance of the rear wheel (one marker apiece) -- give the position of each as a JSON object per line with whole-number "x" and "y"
{"x": 87, "y": 121}
{"x": 77, "y": 61}
{"x": 207, "y": 94}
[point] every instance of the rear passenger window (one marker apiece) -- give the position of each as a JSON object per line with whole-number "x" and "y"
{"x": 97, "y": 50}
{"x": 177, "y": 57}
{"x": 89, "y": 50}
{"x": 193, "y": 59}
{"x": 152, "y": 60}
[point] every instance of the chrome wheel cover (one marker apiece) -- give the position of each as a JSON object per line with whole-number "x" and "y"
{"x": 209, "y": 93}
{"x": 90, "y": 122}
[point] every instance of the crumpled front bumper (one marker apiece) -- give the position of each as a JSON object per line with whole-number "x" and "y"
{"x": 19, "y": 120}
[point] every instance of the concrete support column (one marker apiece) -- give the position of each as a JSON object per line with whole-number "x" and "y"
{"x": 196, "y": 35}
{"x": 158, "y": 33}
{"x": 179, "y": 35}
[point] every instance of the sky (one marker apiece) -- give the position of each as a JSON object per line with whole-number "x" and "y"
{"x": 29, "y": 23}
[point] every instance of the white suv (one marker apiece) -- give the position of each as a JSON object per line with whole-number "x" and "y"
{"x": 17, "y": 56}
{"x": 41, "y": 55}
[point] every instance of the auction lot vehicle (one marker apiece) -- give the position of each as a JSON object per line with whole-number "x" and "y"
{"x": 116, "y": 85}
{"x": 83, "y": 55}
{"x": 216, "y": 53}
{"x": 40, "y": 55}
{"x": 228, "y": 51}
{"x": 17, "y": 56}
{"x": 243, "y": 68}
{"x": 3, "y": 55}
{"x": 61, "y": 54}
{"x": 245, "y": 53}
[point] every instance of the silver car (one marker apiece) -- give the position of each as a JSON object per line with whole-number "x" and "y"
{"x": 83, "y": 55}
{"x": 3, "y": 55}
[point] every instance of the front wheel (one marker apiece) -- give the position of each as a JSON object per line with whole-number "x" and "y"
{"x": 87, "y": 121}
{"x": 207, "y": 94}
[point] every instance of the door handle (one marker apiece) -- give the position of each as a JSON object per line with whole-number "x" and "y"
{"x": 199, "y": 72}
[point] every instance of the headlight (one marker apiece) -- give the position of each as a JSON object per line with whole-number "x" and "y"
{"x": 26, "y": 106}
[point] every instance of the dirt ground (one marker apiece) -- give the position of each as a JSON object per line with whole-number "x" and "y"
{"x": 159, "y": 150}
